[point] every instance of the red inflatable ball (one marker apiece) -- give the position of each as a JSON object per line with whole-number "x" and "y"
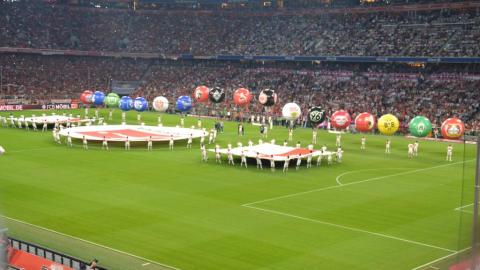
{"x": 452, "y": 128}
{"x": 242, "y": 97}
{"x": 340, "y": 119}
{"x": 364, "y": 122}
{"x": 201, "y": 93}
{"x": 86, "y": 97}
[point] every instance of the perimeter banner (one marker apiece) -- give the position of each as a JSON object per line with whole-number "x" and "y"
{"x": 21, "y": 107}
{"x": 5, "y": 108}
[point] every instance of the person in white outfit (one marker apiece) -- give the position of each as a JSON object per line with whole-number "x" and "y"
{"x": 170, "y": 143}
{"x": 85, "y": 143}
{"x": 204, "y": 153}
{"x": 415, "y": 148}
{"x": 105, "y": 143}
{"x": 299, "y": 162}
{"x": 272, "y": 163}
{"x": 339, "y": 154}
{"x": 190, "y": 140}
{"x": 243, "y": 160}
{"x": 127, "y": 144}
{"x": 218, "y": 156}
{"x": 338, "y": 141}
{"x": 149, "y": 143}
{"x": 285, "y": 164}
{"x": 449, "y": 152}
{"x": 309, "y": 159}
{"x": 410, "y": 150}
{"x": 259, "y": 161}
{"x": 230, "y": 157}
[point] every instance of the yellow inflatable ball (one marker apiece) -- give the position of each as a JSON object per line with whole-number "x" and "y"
{"x": 388, "y": 124}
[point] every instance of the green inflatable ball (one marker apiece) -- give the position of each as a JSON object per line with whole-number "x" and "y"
{"x": 111, "y": 100}
{"x": 420, "y": 126}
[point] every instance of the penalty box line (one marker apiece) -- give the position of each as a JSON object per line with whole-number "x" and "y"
{"x": 353, "y": 183}
{"x": 348, "y": 228}
{"x": 92, "y": 243}
{"x": 429, "y": 264}
{"x": 250, "y": 205}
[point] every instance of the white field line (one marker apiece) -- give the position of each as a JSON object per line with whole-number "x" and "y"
{"x": 355, "y": 183}
{"x": 31, "y": 149}
{"x": 439, "y": 259}
{"x": 337, "y": 179}
{"x": 460, "y": 208}
{"x": 353, "y": 229}
{"x": 92, "y": 243}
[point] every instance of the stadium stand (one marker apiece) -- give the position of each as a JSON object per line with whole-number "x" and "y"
{"x": 34, "y": 24}
{"x": 356, "y": 87}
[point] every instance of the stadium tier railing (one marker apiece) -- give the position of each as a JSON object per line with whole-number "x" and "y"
{"x": 49, "y": 254}
{"x": 82, "y": 249}
{"x": 273, "y": 58}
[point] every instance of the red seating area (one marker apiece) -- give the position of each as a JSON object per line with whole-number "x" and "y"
{"x": 23, "y": 260}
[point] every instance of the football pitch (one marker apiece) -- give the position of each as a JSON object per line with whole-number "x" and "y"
{"x": 166, "y": 209}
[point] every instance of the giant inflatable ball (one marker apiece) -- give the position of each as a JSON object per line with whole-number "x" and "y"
{"x": 140, "y": 104}
{"x": 126, "y": 103}
{"x": 201, "y": 93}
{"x": 267, "y": 97}
{"x": 452, "y": 128}
{"x": 112, "y": 100}
{"x": 364, "y": 122}
{"x": 160, "y": 104}
{"x": 86, "y": 97}
{"x": 316, "y": 115}
{"x": 242, "y": 97}
{"x": 420, "y": 126}
{"x": 340, "y": 119}
{"x": 184, "y": 103}
{"x": 291, "y": 111}
{"x": 216, "y": 95}
{"x": 388, "y": 124}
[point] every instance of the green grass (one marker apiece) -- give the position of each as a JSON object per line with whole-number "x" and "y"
{"x": 169, "y": 207}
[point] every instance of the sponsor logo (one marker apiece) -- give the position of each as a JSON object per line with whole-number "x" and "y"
{"x": 262, "y": 98}
{"x": 340, "y": 120}
{"x": 217, "y": 95}
{"x": 315, "y": 116}
{"x": 57, "y": 106}
{"x": 11, "y": 107}
{"x": 453, "y": 130}
{"x": 198, "y": 94}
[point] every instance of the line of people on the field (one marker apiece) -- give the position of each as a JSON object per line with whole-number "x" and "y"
{"x": 286, "y": 160}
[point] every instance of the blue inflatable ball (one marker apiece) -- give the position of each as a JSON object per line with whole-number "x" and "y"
{"x": 126, "y": 103}
{"x": 184, "y": 103}
{"x": 98, "y": 97}
{"x": 140, "y": 104}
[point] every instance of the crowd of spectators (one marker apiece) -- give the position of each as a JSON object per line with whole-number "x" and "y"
{"x": 434, "y": 33}
{"x": 405, "y": 91}
{"x": 42, "y": 78}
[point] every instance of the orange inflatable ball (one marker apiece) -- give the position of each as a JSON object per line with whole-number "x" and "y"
{"x": 364, "y": 122}
{"x": 452, "y": 128}
{"x": 242, "y": 97}
{"x": 86, "y": 97}
{"x": 201, "y": 93}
